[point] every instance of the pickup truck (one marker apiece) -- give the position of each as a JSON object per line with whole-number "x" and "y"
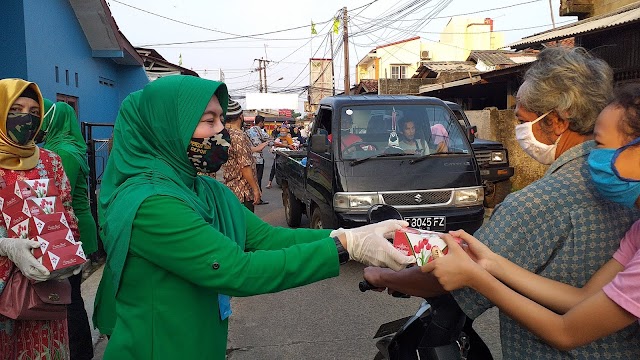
{"x": 358, "y": 155}
{"x": 493, "y": 160}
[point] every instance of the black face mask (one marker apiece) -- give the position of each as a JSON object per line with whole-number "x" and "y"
{"x": 22, "y": 127}
{"x": 208, "y": 154}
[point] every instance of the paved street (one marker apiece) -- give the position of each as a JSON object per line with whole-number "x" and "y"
{"x": 331, "y": 319}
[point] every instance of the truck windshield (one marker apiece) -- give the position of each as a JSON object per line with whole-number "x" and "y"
{"x": 407, "y": 130}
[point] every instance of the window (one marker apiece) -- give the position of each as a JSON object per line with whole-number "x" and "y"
{"x": 398, "y": 71}
{"x": 67, "y": 76}
{"x": 57, "y": 75}
{"x": 71, "y": 100}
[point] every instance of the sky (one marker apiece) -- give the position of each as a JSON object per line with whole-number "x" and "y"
{"x": 227, "y": 35}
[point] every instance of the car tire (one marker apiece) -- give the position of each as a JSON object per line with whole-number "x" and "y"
{"x": 292, "y": 208}
{"x": 316, "y": 221}
{"x": 500, "y": 191}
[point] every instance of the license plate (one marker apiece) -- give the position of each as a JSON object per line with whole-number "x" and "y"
{"x": 433, "y": 223}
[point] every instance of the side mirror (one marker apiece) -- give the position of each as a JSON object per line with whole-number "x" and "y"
{"x": 471, "y": 133}
{"x": 319, "y": 143}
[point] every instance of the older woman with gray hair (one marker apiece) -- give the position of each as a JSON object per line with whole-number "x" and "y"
{"x": 559, "y": 226}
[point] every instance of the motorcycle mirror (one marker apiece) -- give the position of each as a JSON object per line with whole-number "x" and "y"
{"x": 381, "y": 212}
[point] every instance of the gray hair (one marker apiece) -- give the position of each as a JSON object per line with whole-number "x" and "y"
{"x": 570, "y": 81}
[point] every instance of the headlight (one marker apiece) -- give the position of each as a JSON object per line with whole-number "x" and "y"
{"x": 355, "y": 201}
{"x": 468, "y": 197}
{"x": 498, "y": 157}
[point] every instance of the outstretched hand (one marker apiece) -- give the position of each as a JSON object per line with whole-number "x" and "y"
{"x": 454, "y": 270}
{"x": 477, "y": 251}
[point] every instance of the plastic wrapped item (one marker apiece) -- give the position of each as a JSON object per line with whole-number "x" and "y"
{"x": 304, "y": 161}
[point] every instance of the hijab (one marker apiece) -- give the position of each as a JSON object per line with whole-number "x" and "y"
{"x": 63, "y": 133}
{"x": 149, "y": 157}
{"x": 12, "y": 155}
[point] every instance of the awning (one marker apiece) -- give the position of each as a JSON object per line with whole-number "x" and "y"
{"x": 624, "y": 15}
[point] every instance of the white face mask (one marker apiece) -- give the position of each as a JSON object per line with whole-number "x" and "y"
{"x": 543, "y": 153}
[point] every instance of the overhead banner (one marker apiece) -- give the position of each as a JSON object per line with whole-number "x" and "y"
{"x": 256, "y": 101}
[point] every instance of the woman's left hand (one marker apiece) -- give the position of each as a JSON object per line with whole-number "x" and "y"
{"x": 454, "y": 270}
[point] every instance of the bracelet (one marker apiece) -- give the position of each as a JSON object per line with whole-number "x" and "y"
{"x": 343, "y": 255}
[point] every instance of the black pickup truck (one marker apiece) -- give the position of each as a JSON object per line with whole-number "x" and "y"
{"x": 357, "y": 156}
{"x": 493, "y": 160}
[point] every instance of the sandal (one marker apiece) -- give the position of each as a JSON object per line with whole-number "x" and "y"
{"x": 269, "y": 185}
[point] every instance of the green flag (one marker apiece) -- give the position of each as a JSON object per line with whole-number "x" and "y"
{"x": 336, "y": 25}
{"x": 313, "y": 28}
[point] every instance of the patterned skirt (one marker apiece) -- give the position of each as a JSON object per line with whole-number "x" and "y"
{"x": 34, "y": 339}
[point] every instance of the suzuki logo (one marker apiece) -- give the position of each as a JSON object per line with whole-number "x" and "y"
{"x": 418, "y": 198}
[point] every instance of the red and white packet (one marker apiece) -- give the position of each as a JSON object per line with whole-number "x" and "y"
{"x": 419, "y": 243}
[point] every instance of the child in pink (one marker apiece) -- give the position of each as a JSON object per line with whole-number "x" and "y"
{"x": 624, "y": 289}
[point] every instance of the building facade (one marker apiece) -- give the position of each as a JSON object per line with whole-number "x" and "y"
{"x": 75, "y": 53}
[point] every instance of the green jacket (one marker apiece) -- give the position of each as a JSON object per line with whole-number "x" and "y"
{"x": 167, "y": 301}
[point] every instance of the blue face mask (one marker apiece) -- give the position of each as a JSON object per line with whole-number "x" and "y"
{"x": 607, "y": 179}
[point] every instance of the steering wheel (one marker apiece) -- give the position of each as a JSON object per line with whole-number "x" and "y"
{"x": 363, "y": 145}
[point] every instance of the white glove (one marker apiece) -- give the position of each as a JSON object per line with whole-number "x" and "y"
{"x": 385, "y": 228}
{"x": 371, "y": 248}
{"x": 19, "y": 252}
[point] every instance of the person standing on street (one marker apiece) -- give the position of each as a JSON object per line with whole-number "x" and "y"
{"x": 259, "y": 140}
{"x": 239, "y": 172}
{"x": 61, "y": 134}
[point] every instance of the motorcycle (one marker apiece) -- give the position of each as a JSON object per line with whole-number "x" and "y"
{"x": 439, "y": 330}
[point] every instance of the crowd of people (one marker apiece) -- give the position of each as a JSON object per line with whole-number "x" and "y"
{"x": 179, "y": 245}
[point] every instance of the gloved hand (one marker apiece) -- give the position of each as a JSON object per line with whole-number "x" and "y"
{"x": 19, "y": 252}
{"x": 371, "y": 248}
{"x": 385, "y": 228}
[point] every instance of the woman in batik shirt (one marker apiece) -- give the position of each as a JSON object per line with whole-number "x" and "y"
{"x": 21, "y": 111}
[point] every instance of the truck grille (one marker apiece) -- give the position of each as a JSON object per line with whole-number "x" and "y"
{"x": 417, "y": 198}
{"x": 482, "y": 156}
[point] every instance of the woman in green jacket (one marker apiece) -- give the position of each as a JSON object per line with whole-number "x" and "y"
{"x": 178, "y": 245}
{"x": 61, "y": 134}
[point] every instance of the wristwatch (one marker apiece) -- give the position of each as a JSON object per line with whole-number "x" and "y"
{"x": 343, "y": 255}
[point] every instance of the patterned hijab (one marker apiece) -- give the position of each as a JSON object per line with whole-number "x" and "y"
{"x": 63, "y": 133}
{"x": 149, "y": 157}
{"x": 12, "y": 155}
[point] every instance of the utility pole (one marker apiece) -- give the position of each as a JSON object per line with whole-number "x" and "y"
{"x": 333, "y": 78}
{"x": 345, "y": 39}
{"x": 553, "y": 20}
{"x": 262, "y": 68}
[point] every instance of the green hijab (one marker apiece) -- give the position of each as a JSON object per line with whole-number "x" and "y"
{"x": 149, "y": 157}
{"x": 63, "y": 133}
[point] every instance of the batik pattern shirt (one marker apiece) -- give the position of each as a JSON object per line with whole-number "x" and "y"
{"x": 31, "y": 339}
{"x": 560, "y": 228}
{"x": 257, "y": 137}
{"x": 239, "y": 157}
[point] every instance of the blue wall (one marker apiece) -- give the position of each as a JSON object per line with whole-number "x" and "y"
{"x": 54, "y": 38}
{"x": 12, "y": 42}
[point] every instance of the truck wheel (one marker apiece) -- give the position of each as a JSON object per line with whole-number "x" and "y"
{"x": 316, "y": 219}
{"x": 500, "y": 191}
{"x": 292, "y": 208}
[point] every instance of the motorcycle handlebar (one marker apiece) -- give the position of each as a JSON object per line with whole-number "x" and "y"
{"x": 364, "y": 285}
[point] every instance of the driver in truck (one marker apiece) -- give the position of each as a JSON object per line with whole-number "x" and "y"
{"x": 347, "y": 138}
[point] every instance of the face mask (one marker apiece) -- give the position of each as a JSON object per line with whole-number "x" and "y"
{"x": 607, "y": 179}
{"x": 22, "y": 127}
{"x": 543, "y": 153}
{"x": 42, "y": 134}
{"x": 208, "y": 154}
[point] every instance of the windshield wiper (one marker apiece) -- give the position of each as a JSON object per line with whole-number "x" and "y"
{"x": 423, "y": 157}
{"x": 360, "y": 161}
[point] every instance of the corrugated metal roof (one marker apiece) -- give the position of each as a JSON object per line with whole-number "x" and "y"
{"x": 491, "y": 57}
{"x": 450, "y": 66}
{"x": 624, "y": 15}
